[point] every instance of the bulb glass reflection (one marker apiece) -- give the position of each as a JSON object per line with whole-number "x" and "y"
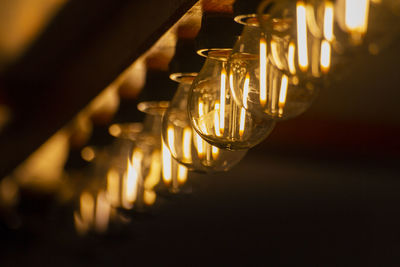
{"x": 215, "y": 115}
{"x": 185, "y": 144}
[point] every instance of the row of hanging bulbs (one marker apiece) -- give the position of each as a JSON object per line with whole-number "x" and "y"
{"x": 272, "y": 72}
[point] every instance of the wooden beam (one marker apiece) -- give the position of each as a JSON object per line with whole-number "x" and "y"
{"x": 84, "y": 49}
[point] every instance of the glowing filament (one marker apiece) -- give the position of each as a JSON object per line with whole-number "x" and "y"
{"x": 328, "y": 21}
{"x": 282, "y": 94}
{"x": 246, "y": 90}
{"x": 302, "y": 36}
{"x": 242, "y": 121}
{"x": 215, "y": 152}
{"x": 167, "y": 164}
{"x": 171, "y": 138}
{"x": 153, "y": 176}
{"x": 356, "y": 15}
{"x": 102, "y": 212}
{"x": 149, "y": 197}
{"x": 325, "y": 55}
{"x": 202, "y": 119}
{"x": 113, "y": 185}
{"x": 131, "y": 179}
{"x": 187, "y": 139}
{"x": 216, "y": 119}
{"x": 200, "y": 146}
{"x": 182, "y": 174}
{"x": 87, "y": 208}
{"x": 222, "y": 101}
{"x": 263, "y": 71}
{"x": 291, "y": 51}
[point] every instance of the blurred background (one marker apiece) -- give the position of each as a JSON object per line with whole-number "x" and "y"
{"x": 322, "y": 189}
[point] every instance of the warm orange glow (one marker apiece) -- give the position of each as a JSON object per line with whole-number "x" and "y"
{"x": 275, "y": 55}
{"x": 328, "y": 21}
{"x": 201, "y": 108}
{"x": 103, "y": 209}
{"x": 87, "y": 208}
{"x": 113, "y": 187}
{"x": 216, "y": 119}
{"x": 215, "y": 152}
{"x": 149, "y": 197}
{"x": 325, "y": 55}
{"x": 153, "y": 177}
{"x": 167, "y": 164}
{"x": 81, "y": 227}
{"x": 242, "y": 121}
{"x": 291, "y": 51}
{"x": 222, "y": 101}
{"x": 246, "y": 90}
{"x": 182, "y": 174}
{"x": 187, "y": 144}
{"x": 231, "y": 80}
{"x": 263, "y": 71}
{"x": 88, "y": 153}
{"x": 202, "y": 119}
{"x": 302, "y": 36}
{"x": 283, "y": 93}
{"x": 129, "y": 187}
{"x": 356, "y": 15}
{"x": 171, "y": 139}
{"x": 200, "y": 146}
{"x": 115, "y": 130}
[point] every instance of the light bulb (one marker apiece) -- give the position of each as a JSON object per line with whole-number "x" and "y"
{"x": 173, "y": 175}
{"x": 185, "y": 144}
{"x": 298, "y": 36}
{"x": 262, "y": 88}
{"x": 135, "y": 166}
{"x": 214, "y": 114}
{"x": 349, "y": 26}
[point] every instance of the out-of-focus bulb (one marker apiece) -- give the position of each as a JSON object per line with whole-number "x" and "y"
{"x": 215, "y": 115}
{"x": 269, "y": 90}
{"x": 185, "y": 144}
{"x": 298, "y": 36}
{"x": 173, "y": 174}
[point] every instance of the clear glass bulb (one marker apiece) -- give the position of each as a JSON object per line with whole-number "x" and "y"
{"x": 259, "y": 86}
{"x": 185, "y": 144}
{"x": 174, "y": 175}
{"x": 135, "y": 167}
{"x": 368, "y": 25}
{"x": 298, "y": 36}
{"x": 214, "y": 114}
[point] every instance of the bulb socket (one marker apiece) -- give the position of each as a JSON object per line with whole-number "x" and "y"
{"x": 185, "y": 59}
{"x": 217, "y": 31}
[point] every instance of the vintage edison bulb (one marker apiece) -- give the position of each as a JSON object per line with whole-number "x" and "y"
{"x": 345, "y": 24}
{"x": 135, "y": 166}
{"x": 185, "y": 145}
{"x": 259, "y": 86}
{"x": 215, "y": 115}
{"x": 173, "y": 174}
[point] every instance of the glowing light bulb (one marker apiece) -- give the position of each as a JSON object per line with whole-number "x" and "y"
{"x": 223, "y": 122}
{"x": 190, "y": 149}
{"x": 270, "y": 83}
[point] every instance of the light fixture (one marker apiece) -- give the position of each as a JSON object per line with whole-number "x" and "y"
{"x": 214, "y": 114}
{"x": 185, "y": 144}
{"x": 261, "y": 87}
